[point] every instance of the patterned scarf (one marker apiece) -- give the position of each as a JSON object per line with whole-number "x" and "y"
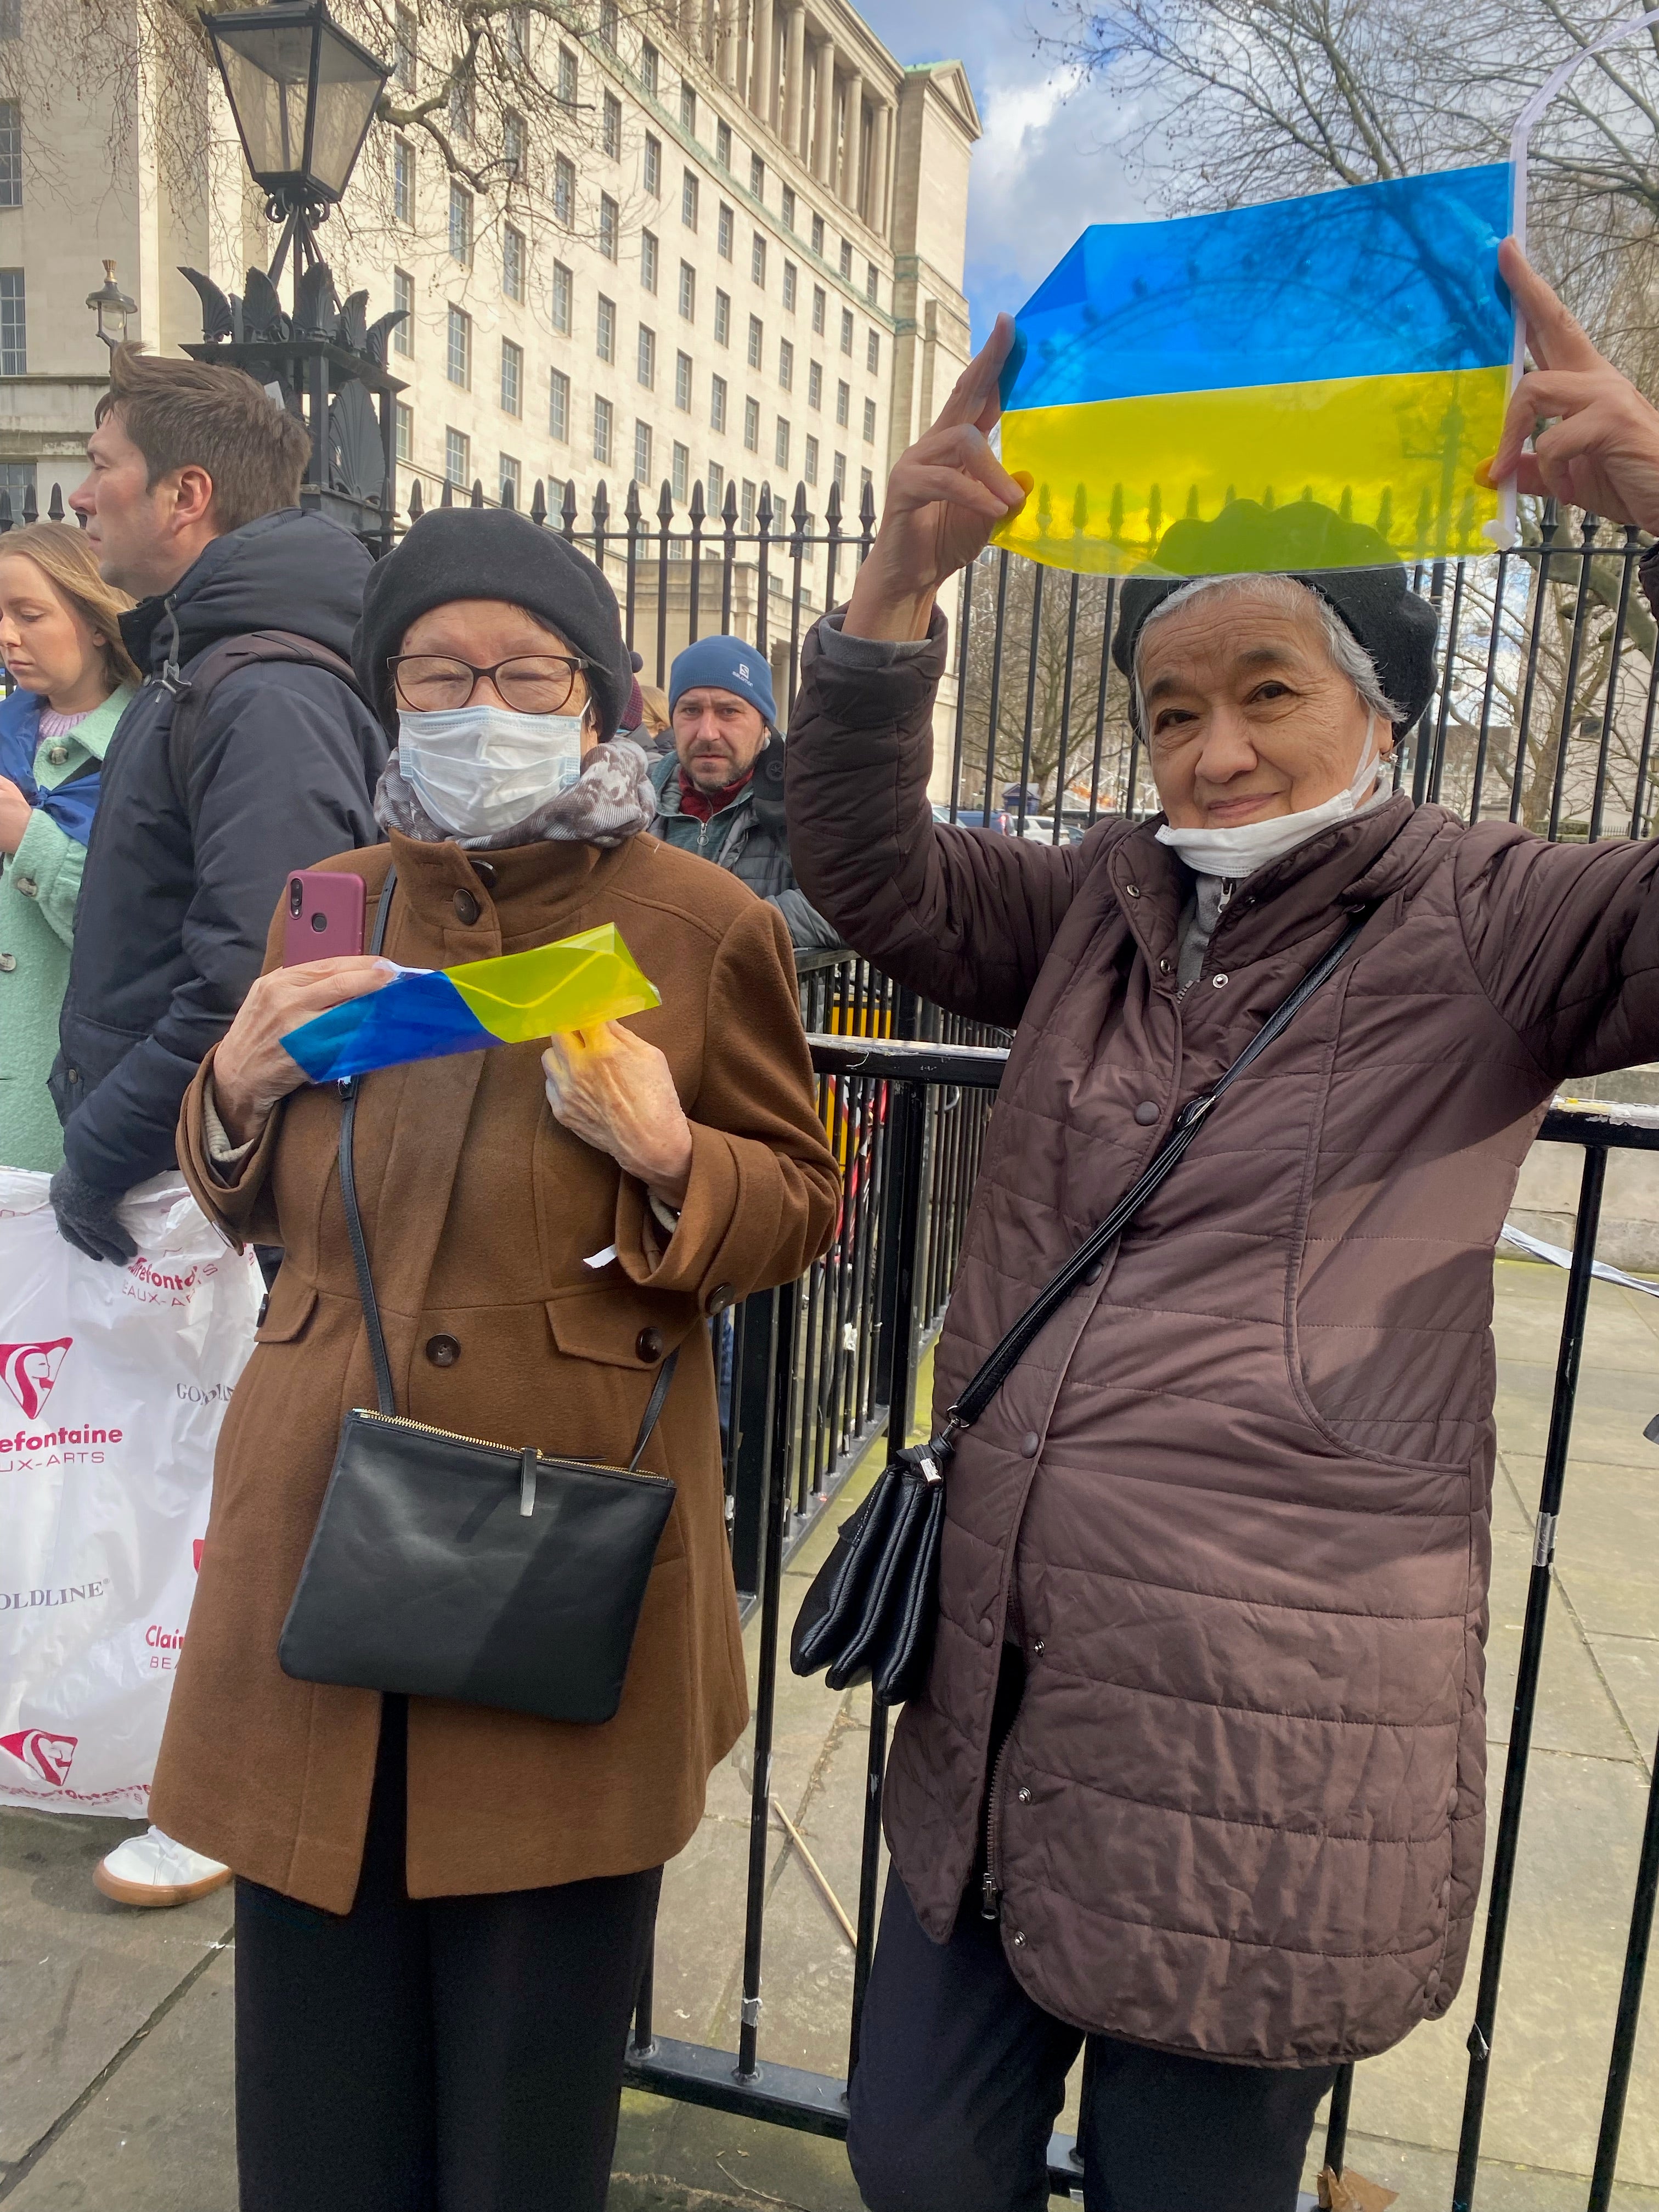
{"x": 610, "y": 801}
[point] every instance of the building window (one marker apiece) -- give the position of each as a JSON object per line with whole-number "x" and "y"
{"x": 507, "y": 477}
{"x": 604, "y": 328}
{"x": 564, "y": 286}
{"x": 652, "y": 165}
{"x": 723, "y": 230}
{"x": 641, "y": 452}
{"x": 682, "y": 382}
{"x": 611, "y": 126}
{"x": 457, "y": 458}
{"x": 791, "y": 277}
{"x": 869, "y": 422}
{"x": 647, "y": 358}
{"x": 843, "y": 404}
{"x": 847, "y": 330}
{"x": 786, "y": 365}
{"x": 609, "y": 18}
{"x": 567, "y": 85}
{"x": 558, "y": 407}
{"x": 748, "y": 503}
{"x": 513, "y": 143}
{"x": 512, "y": 377}
{"x": 689, "y": 199}
{"x": 648, "y": 259}
{"x": 682, "y": 473}
{"x": 403, "y": 295}
{"x": 717, "y": 404}
{"x": 564, "y": 190}
{"x": 405, "y": 421}
{"x": 818, "y": 235}
{"x": 867, "y": 483}
{"x": 872, "y": 352}
{"x": 688, "y": 108}
{"x": 716, "y": 487}
{"x": 815, "y": 384}
{"x": 403, "y": 176}
{"x": 788, "y": 207}
{"x": 723, "y": 144}
{"x": 609, "y": 226}
{"x": 781, "y": 449}
{"x": 688, "y": 291}
{"x": 463, "y": 105}
{"x": 811, "y": 464}
{"x": 722, "y": 319}
{"x": 461, "y": 224}
{"x": 872, "y": 282}
{"x": 847, "y": 258}
{"x": 518, "y": 35}
{"x": 602, "y": 428}
{"x": 512, "y": 262}
{"x": 405, "y": 48}
{"x": 757, "y": 341}
{"x": 751, "y": 425}
{"x": 649, "y": 78}
{"x": 758, "y": 258}
{"x": 757, "y": 176}
{"x": 457, "y": 349}
{"x": 818, "y": 306}
{"x": 840, "y": 473}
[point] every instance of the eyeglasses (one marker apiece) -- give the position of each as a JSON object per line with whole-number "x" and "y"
{"x": 530, "y": 684}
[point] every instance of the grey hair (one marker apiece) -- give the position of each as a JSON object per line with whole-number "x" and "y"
{"x": 1290, "y": 596}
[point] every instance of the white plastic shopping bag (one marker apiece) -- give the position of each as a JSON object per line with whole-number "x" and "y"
{"x": 113, "y": 1382}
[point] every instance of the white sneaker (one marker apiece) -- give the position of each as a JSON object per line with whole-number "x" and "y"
{"x": 152, "y": 1869}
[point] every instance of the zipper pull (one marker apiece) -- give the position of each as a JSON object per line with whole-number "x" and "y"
{"x": 990, "y": 1896}
{"x": 529, "y": 1459}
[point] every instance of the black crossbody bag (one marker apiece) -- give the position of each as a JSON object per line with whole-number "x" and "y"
{"x": 870, "y": 1613}
{"x": 445, "y": 1567}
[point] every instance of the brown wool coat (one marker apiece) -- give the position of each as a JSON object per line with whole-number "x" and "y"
{"x": 479, "y": 1211}
{"x": 1234, "y": 1504}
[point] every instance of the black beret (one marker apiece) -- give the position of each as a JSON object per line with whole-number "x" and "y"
{"x": 491, "y": 553}
{"x": 1396, "y": 626}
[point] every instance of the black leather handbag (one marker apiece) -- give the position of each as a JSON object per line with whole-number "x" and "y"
{"x": 445, "y": 1567}
{"x": 869, "y": 1615}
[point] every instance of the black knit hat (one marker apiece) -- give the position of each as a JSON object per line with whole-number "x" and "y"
{"x": 1396, "y": 626}
{"x": 491, "y": 553}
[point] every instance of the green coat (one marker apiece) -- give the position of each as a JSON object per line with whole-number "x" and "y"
{"x": 39, "y": 886}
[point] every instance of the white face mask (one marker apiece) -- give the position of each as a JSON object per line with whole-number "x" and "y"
{"x": 1241, "y": 851}
{"x": 480, "y": 768}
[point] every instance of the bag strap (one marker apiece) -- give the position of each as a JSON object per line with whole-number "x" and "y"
{"x": 385, "y": 1390}
{"x": 977, "y": 1394}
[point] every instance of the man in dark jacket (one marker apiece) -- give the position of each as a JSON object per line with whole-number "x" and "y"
{"x": 719, "y": 792}
{"x": 192, "y": 503}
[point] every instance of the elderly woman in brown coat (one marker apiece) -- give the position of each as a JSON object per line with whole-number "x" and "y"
{"x": 1197, "y": 1777}
{"x": 442, "y": 1910}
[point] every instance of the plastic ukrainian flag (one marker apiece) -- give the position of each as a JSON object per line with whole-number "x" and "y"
{"x": 1351, "y": 350}
{"x": 424, "y": 1013}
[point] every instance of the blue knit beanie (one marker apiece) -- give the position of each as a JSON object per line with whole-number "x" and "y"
{"x": 725, "y": 663}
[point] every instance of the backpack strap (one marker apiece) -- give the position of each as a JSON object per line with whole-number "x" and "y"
{"x": 228, "y": 656}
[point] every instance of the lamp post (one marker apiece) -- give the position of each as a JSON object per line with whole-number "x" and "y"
{"x": 112, "y": 308}
{"x": 303, "y": 93}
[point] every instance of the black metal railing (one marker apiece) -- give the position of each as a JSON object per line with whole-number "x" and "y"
{"x": 925, "y": 1085}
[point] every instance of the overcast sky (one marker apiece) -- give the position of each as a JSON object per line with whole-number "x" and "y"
{"x": 1045, "y": 168}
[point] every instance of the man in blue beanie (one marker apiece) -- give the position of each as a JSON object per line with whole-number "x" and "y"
{"x": 719, "y": 792}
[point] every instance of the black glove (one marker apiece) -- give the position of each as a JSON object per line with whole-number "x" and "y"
{"x": 87, "y": 1218}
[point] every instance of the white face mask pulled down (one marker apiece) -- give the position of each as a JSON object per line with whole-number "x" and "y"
{"x": 481, "y": 769}
{"x": 1240, "y": 851}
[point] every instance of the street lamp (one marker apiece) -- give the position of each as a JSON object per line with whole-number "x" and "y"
{"x": 303, "y": 94}
{"x": 112, "y": 307}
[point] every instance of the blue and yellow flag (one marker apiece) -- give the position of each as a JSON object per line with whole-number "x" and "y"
{"x": 1352, "y": 349}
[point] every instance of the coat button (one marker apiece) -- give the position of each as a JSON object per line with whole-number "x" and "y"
{"x": 1147, "y": 1113}
{"x": 1166, "y": 967}
{"x": 1038, "y": 1649}
{"x": 57, "y": 755}
{"x": 1095, "y": 1273}
{"x": 27, "y": 886}
{"x": 987, "y": 1630}
{"x": 1019, "y": 1938}
{"x": 442, "y": 1351}
{"x": 8, "y": 962}
{"x": 1132, "y": 891}
{"x": 720, "y": 1297}
{"x": 467, "y": 908}
{"x": 649, "y": 1344}
{"x": 485, "y": 873}
{"x": 1029, "y": 1444}
{"x": 1217, "y": 982}
{"x": 1023, "y": 1796}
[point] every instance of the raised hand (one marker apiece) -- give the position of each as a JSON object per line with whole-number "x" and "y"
{"x": 1601, "y": 452}
{"x": 945, "y": 495}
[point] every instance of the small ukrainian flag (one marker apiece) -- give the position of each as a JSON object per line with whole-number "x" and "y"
{"x": 1350, "y": 349}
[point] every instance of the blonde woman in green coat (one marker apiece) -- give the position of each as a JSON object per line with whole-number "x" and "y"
{"x": 60, "y": 642}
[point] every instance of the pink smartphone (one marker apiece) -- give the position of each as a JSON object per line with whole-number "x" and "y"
{"x": 325, "y": 917}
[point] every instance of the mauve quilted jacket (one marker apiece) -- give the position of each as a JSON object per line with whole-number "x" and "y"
{"x": 1240, "y": 1487}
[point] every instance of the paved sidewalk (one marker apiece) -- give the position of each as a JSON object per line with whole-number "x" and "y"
{"x": 115, "y": 2076}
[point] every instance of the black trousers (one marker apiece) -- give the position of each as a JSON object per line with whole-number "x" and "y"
{"x": 460, "y": 2054}
{"x": 961, "y": 2075}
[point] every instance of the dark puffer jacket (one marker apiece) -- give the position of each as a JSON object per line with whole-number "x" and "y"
{"x": 1234, "y": 1505}
{"x": 171, "y": 929}
{"x": 747, "y": 839}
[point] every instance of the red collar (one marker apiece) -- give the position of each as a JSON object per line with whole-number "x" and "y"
{"x": 703, "y": 806}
